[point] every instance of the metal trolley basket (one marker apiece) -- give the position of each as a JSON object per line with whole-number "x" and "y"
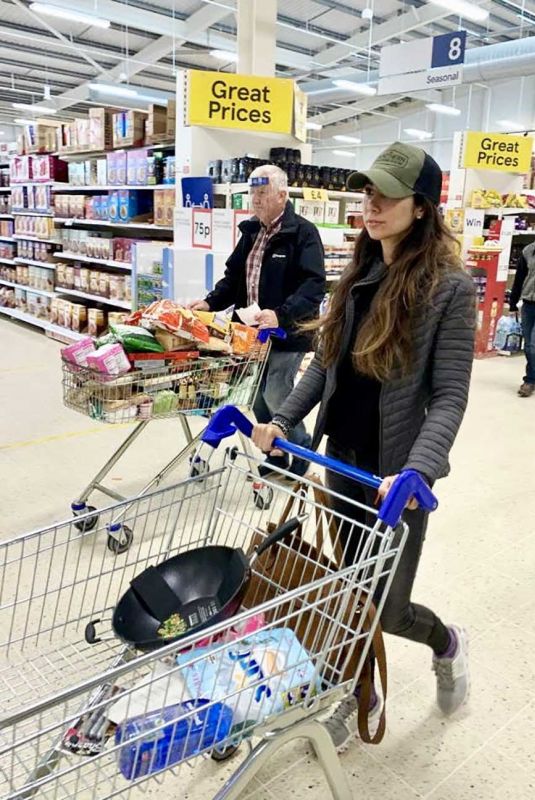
{"x": 184, "y": 387}
{"x": 63, "y": 687}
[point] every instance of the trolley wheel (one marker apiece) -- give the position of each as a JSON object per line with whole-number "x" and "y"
{"x": 86, "y": 525}
{"x": 224, "y": 753}
{"x": 263, "y": 497}
{"x": 198, "y": 467}
{"x": 122, "y": 544}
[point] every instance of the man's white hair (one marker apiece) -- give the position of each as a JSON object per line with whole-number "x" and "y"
{"x": 277, "y": 176}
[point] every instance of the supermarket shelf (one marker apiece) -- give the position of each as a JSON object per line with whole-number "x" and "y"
{"x": 104, "y": 153}
{"x": 5, "y": 188}
{"x": 111, "y": 188}
{"x": 6, "y": 216}
{"x": 6, "y": 238}
{"x": 56, "y": 185}
{"x": 502, "y": 212}
{"x": 100, "y": 261}
{"x": 28, "y": 212}
{"x": 9, "y": 261}
{"x": 95, "y": 298}
{"x": 57, "y": 330}
{"x": 27, "y": 238}
{"x": 44, "y": 292}
{"x": 240, "y": 188}
{"x": 32, "y": 263}
{"x": 148, "y": 226}
{"x": 524, "y": 233}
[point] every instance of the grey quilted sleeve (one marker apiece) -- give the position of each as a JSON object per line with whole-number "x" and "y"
{"x": 450, "y": 382}
{"x": 306, "y": 395}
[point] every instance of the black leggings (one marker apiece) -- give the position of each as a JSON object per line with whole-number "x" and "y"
{"x": 400, "y": 615}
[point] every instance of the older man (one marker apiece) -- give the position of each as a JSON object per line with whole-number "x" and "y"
{"x": 278, "y": 263}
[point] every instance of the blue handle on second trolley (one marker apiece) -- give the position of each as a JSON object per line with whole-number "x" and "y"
{"x": 409, "y": 483}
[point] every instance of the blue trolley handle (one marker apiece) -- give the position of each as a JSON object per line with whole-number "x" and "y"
{"x": 228, "y": 419}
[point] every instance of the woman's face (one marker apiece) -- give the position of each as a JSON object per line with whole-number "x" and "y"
{"x": 386, "y": 219}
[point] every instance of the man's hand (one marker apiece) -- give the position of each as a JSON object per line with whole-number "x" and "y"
{"x": 263, "y": 436}
{"x": 385, "y": 487}
{"x": 267, "y": 319}
{"x": 198, "y": 305}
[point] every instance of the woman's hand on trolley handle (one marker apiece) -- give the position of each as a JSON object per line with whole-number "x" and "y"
{"x": 263, "y": 436}
{"x": 385, "y": 487}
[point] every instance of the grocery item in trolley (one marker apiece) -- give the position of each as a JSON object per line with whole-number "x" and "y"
{"x": 257, "y": 677}
{"x": 190, "y": 728}
{"x": 203, "y": 586}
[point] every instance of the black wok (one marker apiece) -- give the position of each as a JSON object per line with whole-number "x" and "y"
{"x": 205, "y": 586}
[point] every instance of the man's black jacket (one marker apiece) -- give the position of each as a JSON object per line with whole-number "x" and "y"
{"x": 292, "y": 279}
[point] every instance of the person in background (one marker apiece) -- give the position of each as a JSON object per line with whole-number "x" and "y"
{"x": 278, "y": 264}
{"x": 524, "y": 288}
{"x": 391, "y": 374}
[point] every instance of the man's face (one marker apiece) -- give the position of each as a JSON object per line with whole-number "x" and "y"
{"x": 267, "y": 202}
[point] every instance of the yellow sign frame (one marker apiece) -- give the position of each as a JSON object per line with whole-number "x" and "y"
{"x": 499, "y": 152}
{"x": 243, "y": 102}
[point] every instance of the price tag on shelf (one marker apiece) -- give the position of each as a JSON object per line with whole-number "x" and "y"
{"x": 202, "y": 229}
{"x": 315, "y": 194}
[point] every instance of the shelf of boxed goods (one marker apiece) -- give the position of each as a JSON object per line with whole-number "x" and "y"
{"x": 27, "y": 238}
{"x": 72, "y": 156}
{"x": 5, "y": 188}
{"x": 93, "y": 297}
{"x": 74, "y": 187}
{"x": 63, "y": 334}
{"x": 26, "y": 288}
{"x": 241, "y": 188}
{"x": 144, "y": 226}
{"x": 122, "y": 265}
{"x": 6, "y": 238}
{"x": 31, "y": 263}
{"x": 7, "y": 216}
{"x": 9, "y": 261}
{"x": 29, "y": 212}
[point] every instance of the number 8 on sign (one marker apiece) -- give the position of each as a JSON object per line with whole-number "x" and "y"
{"x": 448, "y": 49}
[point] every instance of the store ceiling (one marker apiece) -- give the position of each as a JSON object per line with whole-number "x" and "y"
{"x": 317, "y": 40}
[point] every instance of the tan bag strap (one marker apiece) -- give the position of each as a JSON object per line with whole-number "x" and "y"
{"x": 378, "y": 646}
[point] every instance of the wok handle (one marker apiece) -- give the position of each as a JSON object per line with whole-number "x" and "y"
{"x": 278, "y": 535}
{"x": 228, "y": 419}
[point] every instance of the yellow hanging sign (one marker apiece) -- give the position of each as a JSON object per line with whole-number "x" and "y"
{"x": 497, "y": 151}
{"x": 246, "y": 102}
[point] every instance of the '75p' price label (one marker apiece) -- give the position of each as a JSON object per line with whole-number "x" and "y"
{"x": 315, "y": 194}
{"x": 202, "y": 229}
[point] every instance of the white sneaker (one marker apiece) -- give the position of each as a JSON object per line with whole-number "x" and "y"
{"x": 453, "y": 678}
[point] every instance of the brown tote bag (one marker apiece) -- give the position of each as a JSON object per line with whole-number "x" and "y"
{"x": 299, "y": 562}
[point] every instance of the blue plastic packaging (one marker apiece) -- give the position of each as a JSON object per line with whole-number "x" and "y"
{"x": 177, "y": 741}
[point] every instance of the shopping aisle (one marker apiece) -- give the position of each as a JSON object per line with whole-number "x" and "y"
{"x": 478, "y": 569}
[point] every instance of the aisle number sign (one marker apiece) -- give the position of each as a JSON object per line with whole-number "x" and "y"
{"x": 427, "y": 63}
{"x": 246, "y": 102}
{"x": 497, "y": 151}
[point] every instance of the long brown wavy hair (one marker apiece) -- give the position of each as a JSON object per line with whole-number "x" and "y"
{"x": 384, "y": 340}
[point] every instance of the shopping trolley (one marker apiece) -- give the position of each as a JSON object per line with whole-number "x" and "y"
{"x": 184, "y": 387}
{"x": 76, "y": 698}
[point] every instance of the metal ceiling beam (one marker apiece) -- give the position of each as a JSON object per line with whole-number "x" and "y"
{"x": 197, "y": 22}
{"x": 25, "y": 9}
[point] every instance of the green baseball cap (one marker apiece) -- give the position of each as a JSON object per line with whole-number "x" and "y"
{"x": 401, "y": 170}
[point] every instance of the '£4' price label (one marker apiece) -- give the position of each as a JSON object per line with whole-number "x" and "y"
{"x": 315, "y": 194}
{"x": 202, "y": 229}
